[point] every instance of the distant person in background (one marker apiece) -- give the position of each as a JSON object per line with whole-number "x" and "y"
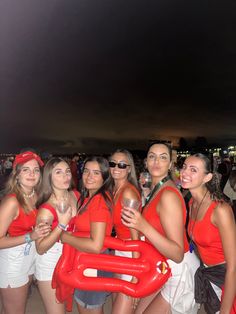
{"x": 224, "y": 169}
{"x": 212, "y": 231}
{"x": 125, "y": 187}
{"x": 18, "y": 232}
{"x": 230, "y": 190}
{"x": 74, "y": 169}
{"x": 7, "y": 167}
{"x": 57, "y": 205}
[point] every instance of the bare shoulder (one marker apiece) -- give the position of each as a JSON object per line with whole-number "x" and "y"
{"x": 130, "y": 193}
{"x": 172, "y": 194}
{"x": 222, "y": 214}
{"x": 9, "y": 201}
{"x": 9, "y": 207}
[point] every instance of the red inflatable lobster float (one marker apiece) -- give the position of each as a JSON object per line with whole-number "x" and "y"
{"x": 150, "y": 268}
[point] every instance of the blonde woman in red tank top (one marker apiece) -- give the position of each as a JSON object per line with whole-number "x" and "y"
{"x": 18, "y": 232}
{"x": 163, "y": 225}
{"x": 125, "y": 187}
{"x": 212, "y": 228}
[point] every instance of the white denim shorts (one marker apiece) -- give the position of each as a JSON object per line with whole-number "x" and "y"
{"x": 16, "y": 266}
{"x": 46, "y": 263}
{"x": 179, "y": 289}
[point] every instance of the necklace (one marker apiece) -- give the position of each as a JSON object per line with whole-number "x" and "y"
{"x": 156, "y": 188}
{"x": 29, "y": 195}
{"x": 56, "y": 200}
{"x": 115, "y": 194}
{"x": 191, "y": 243}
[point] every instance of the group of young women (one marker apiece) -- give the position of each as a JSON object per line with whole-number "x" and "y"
{"x": 34, "y": 226}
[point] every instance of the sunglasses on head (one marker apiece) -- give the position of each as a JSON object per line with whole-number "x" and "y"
{"x": 121, "y": 165}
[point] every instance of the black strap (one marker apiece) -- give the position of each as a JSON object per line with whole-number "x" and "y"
{"x": 156, "y": 188}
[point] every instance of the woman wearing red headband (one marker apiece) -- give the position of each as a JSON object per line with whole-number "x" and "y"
{"x": 18, "y": 232}
{"x": 125, "y": 188}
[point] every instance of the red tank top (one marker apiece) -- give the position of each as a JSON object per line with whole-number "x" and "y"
{"x": 151, "y": 215}
{"x": 207, "y": 237}
{"x": 54, "y": 213}
{"x": 122, "y": 231}
{"x": 24, "y": 223}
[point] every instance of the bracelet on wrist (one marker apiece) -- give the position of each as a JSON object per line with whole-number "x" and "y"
{"x": 62, "y": 226}
{"x": 28, "y": 238}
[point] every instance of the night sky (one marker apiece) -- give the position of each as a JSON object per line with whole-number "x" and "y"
{"x": 93, "y": 76}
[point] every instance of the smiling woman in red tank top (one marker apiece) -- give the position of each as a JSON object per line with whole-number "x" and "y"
{"x": 212, "y": 230}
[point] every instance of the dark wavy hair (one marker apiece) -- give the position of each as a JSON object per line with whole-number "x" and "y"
{"x": 213, "y": 186}
{"x": 105, "y": 190}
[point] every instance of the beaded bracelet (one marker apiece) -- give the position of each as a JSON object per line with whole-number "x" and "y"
{"x": 28, "y": 238}
{"x": 62, "y": 227}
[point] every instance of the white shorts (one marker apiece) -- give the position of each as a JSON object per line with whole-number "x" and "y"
{"x": 46, "y": 263}
{"x": 179, "y": 289}
{"x": 124, "y": 254}
{"x": 15, "y": 266}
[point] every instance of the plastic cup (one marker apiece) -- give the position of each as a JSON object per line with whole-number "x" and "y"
{"x": 131, "y": 203}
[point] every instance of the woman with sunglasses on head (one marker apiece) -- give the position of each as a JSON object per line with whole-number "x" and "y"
{"x": 94, "y": 218}
{"x": 212, "y": 232}
{"x": 18, "y": 232}
{"x": 162, "y": 222}
{"x": 125, "y": 187}
{"x": 57, "y": 205}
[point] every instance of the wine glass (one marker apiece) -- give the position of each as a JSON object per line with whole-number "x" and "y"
{"x": 145, "y": 180}
{"x": 62, "y": 207}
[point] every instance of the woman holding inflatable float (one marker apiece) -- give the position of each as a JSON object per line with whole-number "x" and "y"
{"x": 163, "y": 225}
{"x": 156, "y": 224}
{"x": 125, "y": 193}
{"x": 162, "y": 222}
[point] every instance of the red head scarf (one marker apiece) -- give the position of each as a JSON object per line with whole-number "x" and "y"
{"x": 26, "y": 156}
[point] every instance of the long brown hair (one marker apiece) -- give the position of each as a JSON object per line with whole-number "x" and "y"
{"x": 13, "y": 187}
{"x": 46, "y": 188}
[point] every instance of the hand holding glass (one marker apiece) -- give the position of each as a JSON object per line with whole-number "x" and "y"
{"x": 131, "y": 203}
{"x": 62, "y": 207}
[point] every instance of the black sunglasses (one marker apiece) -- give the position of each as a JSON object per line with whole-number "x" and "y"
{"x": 121, "y": 165}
